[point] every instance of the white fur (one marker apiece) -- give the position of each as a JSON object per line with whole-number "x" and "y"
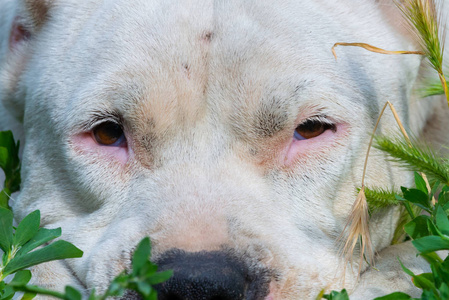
{"x": 199, "y": 176}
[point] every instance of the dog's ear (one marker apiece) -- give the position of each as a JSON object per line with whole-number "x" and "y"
{"x": 22, "y": 21}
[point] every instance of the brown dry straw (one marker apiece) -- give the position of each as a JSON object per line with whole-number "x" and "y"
{"x": 357, "y": 225}
{"x": 372, "y": 49}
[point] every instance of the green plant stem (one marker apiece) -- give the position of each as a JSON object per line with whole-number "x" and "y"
{"x": 39, "y": 290}
{"x": 445, "y": 88}
{"x": 431, "y": 257}
{"x": 9, "y": 256}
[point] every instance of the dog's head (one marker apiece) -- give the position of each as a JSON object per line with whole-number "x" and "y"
{"x": 224, "y": 130}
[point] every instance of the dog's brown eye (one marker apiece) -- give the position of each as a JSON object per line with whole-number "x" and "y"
{"x": 311, "y": 129}
{"x": 109, "y": 134}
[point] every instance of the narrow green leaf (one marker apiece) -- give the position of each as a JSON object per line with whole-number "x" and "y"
{"x": 431, "y": 88}
{"x": 442, "y": 221}
{"x": 27, "y": 229}
{"x": 394, "y": 296}
{"x": 43, "y": 235}
{"x": 55, "y": 251}
{"x": 424, "y": 281}
{"x": 72, "y": 294}
{"x": 443, "y": 198}
{"x": 141, "y": 255}
{"x": 435, "y": 187}
{"x": 420, "y": 183}
{"x": 431, "y": 243}
{"x": 6, "y": 230}
{"x": 4, "y": 155}
{"x": 4, "y": 198}
{"x": 405, "y": 269}
{"x": 7, "y": 152}
{"x": 33, "y": 289}
{"x": 407, "y": 207}
{"x": 22, "y": 277}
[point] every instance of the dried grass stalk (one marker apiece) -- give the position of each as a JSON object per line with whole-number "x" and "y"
{"x": 373, "y": 49}
{"x": 357, "y": 226}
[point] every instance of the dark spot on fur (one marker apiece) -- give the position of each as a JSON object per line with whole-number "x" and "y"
{"x": 207, "y": 36}
{"x": 39, "y": 11}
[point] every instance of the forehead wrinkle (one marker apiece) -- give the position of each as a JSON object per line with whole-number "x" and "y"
{"x": 276, "y": 111}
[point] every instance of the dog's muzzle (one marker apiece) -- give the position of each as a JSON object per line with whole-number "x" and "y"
{"x": 208, "y": 276}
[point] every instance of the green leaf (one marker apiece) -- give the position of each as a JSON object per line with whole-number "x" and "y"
{"x": 443, "y": 199}
{"x": 27, "y": 229}
{"x": 4, "y": 198}
{"x": 417, "y": 197}
{"x": 72, "y": 294}
{"x": 160, "y": 277}
{"x": 43, "y": 235}
{"x": 6, "y": 232}
{"x": 420, "y": 183}
{"x": 4, "y": 155}
{"x": 410, "y": 273}
{"x": 431, "y": 88}
{"x": 424, "y": 281}
{"x": 334, "y": 295}
{"x": 92, "y": 295}
{"x": 28, "y": 296}
{"x": 32, "y": 289}
{"x": 431, "y": 243}
{"x": 442, "y": 221}
{"x": 118, "y": 285}
{"x": 394, "y": 296}
{"x": 417, "y": 227}
{"x": 433, "y": 230}
{"x": 429, "y": 295}
{"x": 144, "y": 288}
{"x": 21, "y": 278}
{"x": 444, "y": 291}
{"x": 54, "y": 251}
{"x": 8, "y": 293}
{"x": 9, "y": 159}
{"x": 140, "y": 256}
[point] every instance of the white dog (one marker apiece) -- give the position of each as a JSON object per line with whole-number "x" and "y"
{"x": 224, "y": 130}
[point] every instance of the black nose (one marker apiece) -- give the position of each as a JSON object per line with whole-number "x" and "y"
{"x": 202, "y": 276}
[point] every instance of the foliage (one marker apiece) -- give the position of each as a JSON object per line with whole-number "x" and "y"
{"x": 417, "y": 158}
{"x": 9, "y": 162}
{"x": 431, "y": 88}
{"x": 23, "y": 247}
{"x": 429, "y": 232}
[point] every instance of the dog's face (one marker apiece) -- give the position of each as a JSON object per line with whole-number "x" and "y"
{"x": 224, "y": 130}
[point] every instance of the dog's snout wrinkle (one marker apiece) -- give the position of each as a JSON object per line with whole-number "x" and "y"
{"x": 203, "y": 275}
